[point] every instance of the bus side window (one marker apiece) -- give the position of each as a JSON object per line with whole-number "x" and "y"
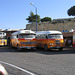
{"x": 38, "y": 37}
{"x": 44, "y": 36}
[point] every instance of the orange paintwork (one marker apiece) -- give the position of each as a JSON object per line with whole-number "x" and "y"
{"x": 23, "y": 42}
{"x": 51, "y": 43}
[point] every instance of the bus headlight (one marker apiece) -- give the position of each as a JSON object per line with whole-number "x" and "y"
{"x": 51, "y": 43}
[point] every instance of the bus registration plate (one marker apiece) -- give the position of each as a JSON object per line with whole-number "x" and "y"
{"x": 58, "y": 46}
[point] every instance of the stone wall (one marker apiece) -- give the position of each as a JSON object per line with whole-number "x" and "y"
{"x": 65, "y": 25}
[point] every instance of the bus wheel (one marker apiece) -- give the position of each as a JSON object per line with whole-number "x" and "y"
{"x": 60, "y": 49}
{"x": 11, "y": 45}
{"x": 18, "y": 48}
{"x": 45, "y": 47}
{"x": 34, "y": 49}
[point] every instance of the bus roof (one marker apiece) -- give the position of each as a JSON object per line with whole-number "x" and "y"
{"x": 23, "y": 32}
{"x": 48, "y": 32}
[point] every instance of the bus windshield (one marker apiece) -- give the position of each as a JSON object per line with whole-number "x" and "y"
{"x": 27, "y": 36}
{"x": 4, "y": 37}
{"x": 55, "y": 36}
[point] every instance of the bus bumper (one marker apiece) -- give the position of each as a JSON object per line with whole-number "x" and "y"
{"x": 28, "y": 47}
{"x": 57, "y": 47}
{"x": 1, "y": 44}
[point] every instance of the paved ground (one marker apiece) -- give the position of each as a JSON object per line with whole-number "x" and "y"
{"x": 38, "y": 62}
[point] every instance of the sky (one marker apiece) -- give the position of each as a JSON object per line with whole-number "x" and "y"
{"x": 13, "y": 13}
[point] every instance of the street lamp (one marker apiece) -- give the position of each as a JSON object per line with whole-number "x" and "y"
{"x": 36, "y": 14}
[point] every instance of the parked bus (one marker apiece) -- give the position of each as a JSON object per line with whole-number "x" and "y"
{"x": 73, "y": 39}
{"x": 50, "y": 40}
{"x": 3, "y": 40}
{"x": 23, "y": 39}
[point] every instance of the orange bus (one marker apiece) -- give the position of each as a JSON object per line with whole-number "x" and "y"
{"x": 50, "y": 40}
{"x": 23, "y": 39}
{"x": 73, "y": 39}
{"x": 3, "y": 40}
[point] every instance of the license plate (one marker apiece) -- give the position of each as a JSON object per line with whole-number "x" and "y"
{"x": 58, "y": 46}
{"x": 28, "y": 48}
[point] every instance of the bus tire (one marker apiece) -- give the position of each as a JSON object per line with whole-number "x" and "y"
{"x": 19, "y": 49}
{"x": 60, "y": 49}
{"x": 34, "y": 49}
{"x": 11, "y": 45}
{"x": 45, "y": 47}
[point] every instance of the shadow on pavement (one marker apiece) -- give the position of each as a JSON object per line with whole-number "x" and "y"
{"x": 40, "y": 51}
{"x": 9, "y": 49}
{"x": 55, "y": 51}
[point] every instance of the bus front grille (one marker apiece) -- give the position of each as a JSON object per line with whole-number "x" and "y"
{"x": 57, "y": 42}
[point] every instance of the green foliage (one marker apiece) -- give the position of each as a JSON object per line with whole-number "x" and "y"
{"x": 32, "y": 18}
{"x": 46, "y": 19}
{"x": 71, "y": 11}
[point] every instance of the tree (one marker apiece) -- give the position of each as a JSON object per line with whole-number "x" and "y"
{"x": 46, "y": 19}
{"x": 32, "y": 18}
{"x": 71, "y": 11}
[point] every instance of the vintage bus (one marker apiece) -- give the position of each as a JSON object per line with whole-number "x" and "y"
{"x": 23, "y": 39}
{"x": 73, "y": 39}
{"x": 50, "y": 40}
{"x": 3, "y": 40}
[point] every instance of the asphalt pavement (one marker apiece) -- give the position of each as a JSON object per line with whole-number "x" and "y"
{"x": 39, "y": 62}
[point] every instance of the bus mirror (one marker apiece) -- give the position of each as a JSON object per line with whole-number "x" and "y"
{"x": 36, "y": 37}
{"x": 17, "y": 36}
{"x": 46, "y": 37}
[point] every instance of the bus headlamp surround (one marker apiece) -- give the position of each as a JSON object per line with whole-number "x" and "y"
{"x": 51, "y": 43}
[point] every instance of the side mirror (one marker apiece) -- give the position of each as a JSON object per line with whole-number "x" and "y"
{"x": 46, "y": 37}
{"x": 17, "y": 36}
